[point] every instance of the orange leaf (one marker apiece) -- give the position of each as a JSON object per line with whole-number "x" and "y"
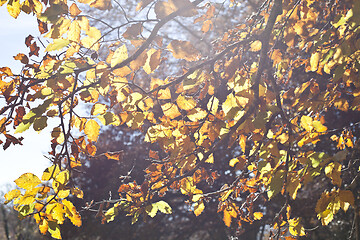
{"x": 115, "y": 155}
{"x": 74, "y": 10}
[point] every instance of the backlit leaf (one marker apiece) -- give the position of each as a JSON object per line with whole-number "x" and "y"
{"x": 58, "y": 44}
{"x": 98, "y": 108}
{"x": 170, "y": 110}
{"x": 119, "y": 56}
{"x": 13, "y": 8}
{"x": 199, "y": 208}
{"x": 306, "y": 122}
{"x": 9, "y": 196}
{"x": 92, "y": 130}
{"x": 258, "y": 215}
{"x": 183, "y": 50}
{"x": 185, "y": 102}
{"x": 163, "y": 207}
{"x": 27, "y": 181}
{"x": 255, "y": 46}
{"x": 54, "y": 229}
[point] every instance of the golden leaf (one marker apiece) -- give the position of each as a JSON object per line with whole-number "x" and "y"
{"x": 314, "y": 61}
{"x": 43, "y": 226}
{"x": 27, "y": 181}
{"x": 98, "y": 108}
{"x": 255, "y": 46}
{"x": 258, "y": 215}
{"x": 9, "y": 196}
{"x": 92, "y": 130}
{"x": 13, "y": 8}
{"x": 199, "y": 208}
{"x": 101, "y": 4}
{"x": 319, "y": 127}
{"x": 306, "y": 123}
{"x": 50, "y": 172}
{"x": 115, "y": 155}
{"x": 185, "y": 102}
{"x": 74, "y": 10}
{"x": 71, "y": 213}
{"x": 197, "y": 114}
{"x": 119, "y": 56}
{"x": 170, "y": 110}
{"x": 74, "y": 31}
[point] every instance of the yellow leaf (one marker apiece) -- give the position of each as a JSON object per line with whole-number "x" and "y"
{"x": 27, "y": 181}
{"x": 101, "y": 4}
{"x": 57, "y": 212}
{"x": 151, "y": 210}
{"x": 162, "y": 9}
{"x": 74, "y": 31}
{"x": 314, "y": 61}
{"x": 9, "y": 196}
{"x": 94, "y": 33}
{"x": 295, "y": 227}
{"x": 197, "y": 114}
{"x": 258, "y": 215}
{"x": 255, "y": 46}
{"x": 199, "y": 208}
{"x": 50, "y": 172}
{"x": 229, "y": 212}
{"x": 306, "y": 123}
{"x": 229, "y": 104}
{"x": 163, "y": 207}
{"x": 210, "y": 159}
{"x": 183, "y": 50}
{"x": 170, "y": 110}
{"x": 185, "y": 102}
{"x": 61, "y": 179}
{"x": 43, "y": 226}
{"x": 13, "y": 8}
{"x": 319, "y": 127}
{"x": 98, "y": 108}
{"x": 119, "y": 56}
{"x": 77, "y": 192}
{"x": 54, "y": 230}
{"x": 243, "y": 142}
{"x": 164, "y": 94}
{"x": 213, "y": 105}
{"x": 71, "y": 213}
{"x": 92, "y": 130}
{"x": 2, "y": 2}
{"x": 152, "y": 60}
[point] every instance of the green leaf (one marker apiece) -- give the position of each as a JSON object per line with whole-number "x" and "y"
{"x": 57, "y": 44}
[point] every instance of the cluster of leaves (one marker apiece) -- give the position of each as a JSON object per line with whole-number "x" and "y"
{"x": 246, "y": 94}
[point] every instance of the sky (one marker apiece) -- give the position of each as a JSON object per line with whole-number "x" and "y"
{"x": 17, "y": 160}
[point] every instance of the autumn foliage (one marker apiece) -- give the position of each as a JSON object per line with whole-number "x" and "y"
{"x": 263, "y": 90}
